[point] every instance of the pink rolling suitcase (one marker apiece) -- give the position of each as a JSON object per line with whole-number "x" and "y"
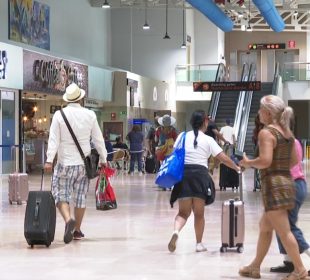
{"x": 233, "y": 222}
{"x": 18, "y": 187}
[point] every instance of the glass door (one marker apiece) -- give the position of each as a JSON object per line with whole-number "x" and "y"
{"x": 250, "y": 57}
{"x": 9, "y": 131}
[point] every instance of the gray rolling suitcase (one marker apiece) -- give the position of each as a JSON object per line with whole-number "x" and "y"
{"x": 233, "y": 225}
{"x": 18, "y": 185}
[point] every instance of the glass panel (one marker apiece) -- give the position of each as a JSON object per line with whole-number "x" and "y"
{"x": 196, "y": 73}
{"x": 296, "y": 71}
{"x": 8, "y": 131}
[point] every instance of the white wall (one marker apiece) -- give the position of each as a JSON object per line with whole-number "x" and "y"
{"x": 145, "y": 52}
{"x": 297, "y": 90}
{"x": 190, "y": 30}
{"x": 209, "y": 40}
{"x": 76, "y": 31}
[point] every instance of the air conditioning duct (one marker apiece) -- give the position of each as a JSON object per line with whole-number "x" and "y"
{"x": 213, "y": 13}
{"x": 270, "y": 14}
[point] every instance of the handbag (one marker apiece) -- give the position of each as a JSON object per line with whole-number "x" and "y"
{"x": 172, "y": 168}
{"x": 91, "y": 161}
{"x": 105, "y": 196}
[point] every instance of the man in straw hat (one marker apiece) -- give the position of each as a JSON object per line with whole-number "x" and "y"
{"x": 69, "y": 173}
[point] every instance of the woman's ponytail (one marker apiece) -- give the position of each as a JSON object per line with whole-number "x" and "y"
{"x": 286, "y": 117}
{"x": 197, "y": 121}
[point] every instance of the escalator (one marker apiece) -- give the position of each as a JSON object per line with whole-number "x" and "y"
{"x": 249, "y": 111}
{"x": 266, "y": 88}
{"x": 242, "y": 106}
{"x": 224, "y": 104}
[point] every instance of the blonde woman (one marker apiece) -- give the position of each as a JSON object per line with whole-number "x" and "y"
{"x": 276, "y": 156}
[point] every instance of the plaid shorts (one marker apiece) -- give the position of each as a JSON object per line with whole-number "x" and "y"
{"x": 68, "y": 179}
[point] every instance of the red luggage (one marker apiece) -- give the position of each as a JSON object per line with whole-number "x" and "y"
{"x": 233, "y": 222}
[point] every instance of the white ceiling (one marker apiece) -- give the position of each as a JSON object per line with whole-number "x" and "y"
{"x": 237, "y": 10}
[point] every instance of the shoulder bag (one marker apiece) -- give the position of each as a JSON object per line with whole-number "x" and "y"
{"x": 172, "y": 168}
{"x": 91, "y": 161}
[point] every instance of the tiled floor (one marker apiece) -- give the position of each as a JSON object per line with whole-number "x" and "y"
{"x": 131, "y": 241}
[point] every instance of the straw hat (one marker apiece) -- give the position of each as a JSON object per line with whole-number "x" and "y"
{"x": 166, "y": 120}
{"x": 73, "y": 93}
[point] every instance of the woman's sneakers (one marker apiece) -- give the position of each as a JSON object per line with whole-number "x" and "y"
{"x": 200, "y": 247}
{"x": 78, "y": 235}
{"x": 173, "y": 241}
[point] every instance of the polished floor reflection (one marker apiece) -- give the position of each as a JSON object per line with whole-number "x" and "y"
{"x": 131, "y": 241}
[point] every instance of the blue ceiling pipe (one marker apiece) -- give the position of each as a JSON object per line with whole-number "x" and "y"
{"x": 270, "y": 14}
{"x": 213, "y": 13}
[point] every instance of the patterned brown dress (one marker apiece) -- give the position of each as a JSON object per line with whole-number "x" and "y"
{"x": 278, "y": 190}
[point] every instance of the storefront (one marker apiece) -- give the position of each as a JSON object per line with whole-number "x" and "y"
{"x": 45, "y": 80}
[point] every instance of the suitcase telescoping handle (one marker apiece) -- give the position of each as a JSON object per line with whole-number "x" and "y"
{"x": 239, "y": 155}
{"x": 14, "y": 150}
{"x": 240, "y": 185}
{"x": 42, "y": 179}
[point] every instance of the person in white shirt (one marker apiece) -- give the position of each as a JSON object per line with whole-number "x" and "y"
{"x": 193, "y": 191}
{"x": 69, "y": 174}
{"x": 227, "y": 132}
{"x": 229, "y": 135}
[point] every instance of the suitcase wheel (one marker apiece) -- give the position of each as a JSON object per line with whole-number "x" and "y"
{"x": 47, "y": 245}
{"x": 10, "y": 201}
{"x": 240, "y": 249}
{"x": 19, "y": 202}
{"x": 223, "y": 249}
{"x": 31, "y": 245}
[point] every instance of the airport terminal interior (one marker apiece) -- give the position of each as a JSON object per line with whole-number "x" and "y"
{"x": 221, "y": 56}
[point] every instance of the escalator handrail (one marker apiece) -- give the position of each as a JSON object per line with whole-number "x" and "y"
{"x": 245, "y": 111}
{"x": 237, "y": 119}
{"x": 221, "y": 69}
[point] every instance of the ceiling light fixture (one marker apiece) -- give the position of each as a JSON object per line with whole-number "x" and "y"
{"x": 183, "y": 46}
{"x": 106, "y": 5}
{"x": 296, "y": 13}
{"x": 166, "y": 35}
{"x": 146, "y": 25}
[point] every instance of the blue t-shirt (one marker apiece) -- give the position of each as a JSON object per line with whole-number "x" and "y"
{"x": 109, "y": 147}
{"x": 135, "y": 141}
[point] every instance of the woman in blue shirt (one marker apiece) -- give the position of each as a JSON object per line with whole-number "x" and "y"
{"x": 135, "y": 138}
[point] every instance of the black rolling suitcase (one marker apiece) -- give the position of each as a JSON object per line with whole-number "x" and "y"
{"x": 229, "y": 178}
{"x": 40, "y": 217}
{"x": 150, "y": 164}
